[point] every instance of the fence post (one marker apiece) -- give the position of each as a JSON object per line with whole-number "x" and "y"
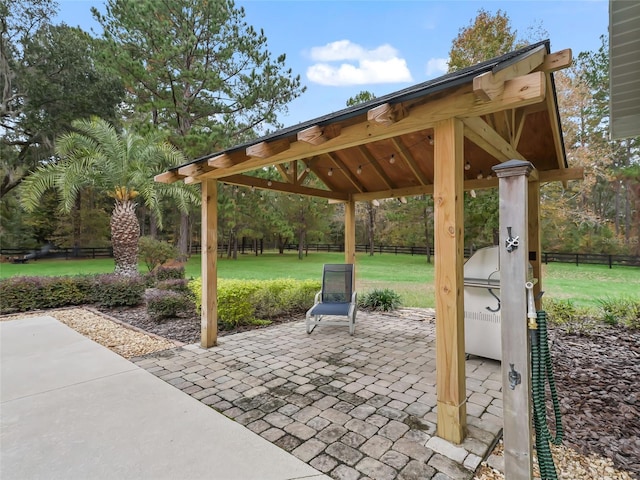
{"x": 577, "y": 259}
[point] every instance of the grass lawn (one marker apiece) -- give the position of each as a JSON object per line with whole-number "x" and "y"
{"x": 410, "y": 276}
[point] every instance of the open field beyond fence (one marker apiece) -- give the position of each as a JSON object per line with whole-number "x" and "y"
{"x": 411, "y": 276}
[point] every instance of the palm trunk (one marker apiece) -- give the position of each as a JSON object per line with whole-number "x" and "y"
{"x": 125, "y": 232}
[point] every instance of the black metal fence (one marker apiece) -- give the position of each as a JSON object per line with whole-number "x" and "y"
{"x": 20, "y": 255}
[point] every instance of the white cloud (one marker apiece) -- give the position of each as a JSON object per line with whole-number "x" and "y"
{"x": 437, "y": 67}
{"x": 379, "y": 65}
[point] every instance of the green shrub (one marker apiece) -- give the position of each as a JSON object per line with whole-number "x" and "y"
{"x": 242, "y": 302}
{"x": 384, "y": 300}
{"x": 112, "y": 290}
{"x": 569, "y": 317}
{"x": 155, "y": 252}
{"x": 621, "y": 311}
{"x": 179, "y": 285}
{"x": 162, "y": 273}
{"x": 20, "y": 294}
{"x": 163, "y": 304}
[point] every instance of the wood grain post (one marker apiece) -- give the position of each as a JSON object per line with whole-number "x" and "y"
{"x": 350, "y": 235}
{"x": 516, "y": 349}
{"x": 449, "y": 260}
{"x": 209, "y": 315}
{"x": 535, "y": 247}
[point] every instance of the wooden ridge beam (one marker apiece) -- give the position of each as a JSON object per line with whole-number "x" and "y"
{"x": 317, "y": 135}
{"x": 268, "y": 149}
{"x": 273, "y": 185}
{"x": 481, "y": 133}
{"x": 386, "y": 114}
{"x": 489, "y": 85}
{"x": 409, "y": 160}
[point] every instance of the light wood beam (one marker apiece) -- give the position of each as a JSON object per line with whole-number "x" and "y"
{"x": 449, "y": 259}
{"x": 192, "y": 180}
{"x": 268, "y": 149}
{"x": 168, "y": 177}
{"x": 519, "y": 91}
{"x": 556, "y": 128}
{"x": 519, "y": 119}
{"x": 481, "y": 133}
{"x": 556, "y": 61}
{"x": 409, "y": 160}
{"x": 304, "y": 173}
{"x": 374, "y": 163}
{"x": 340, "y": 165}
{"x": 350, "y": 234}
{"x": 474, "y": 184}
{"x": 194, "y": 169}
{"x": 386, "y": 114}
{"x": 263, "y": 184}
{"x": 317, "y": 135}
{"x": 491, "y": 84}
{"x": 284, "y": 173}
{"x": 209, "y": 274}
{"x": 226, "y": 160}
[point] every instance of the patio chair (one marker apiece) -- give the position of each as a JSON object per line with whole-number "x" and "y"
{"x": 336, "y": 299}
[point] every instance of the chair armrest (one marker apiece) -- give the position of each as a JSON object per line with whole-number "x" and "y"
{"x": 354, "y": 297}
{"x": 316, "y": 300}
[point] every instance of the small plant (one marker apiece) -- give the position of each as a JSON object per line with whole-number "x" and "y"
{"x": 163, "y": 304}
{"x": 566, "y": 315}
{"x": 621, "y": 311}
{"x": 179, "y": 285}
{"x": 155, "y": 252}
{"x": 168, "y": 272}
{"x": 382, "y": 300}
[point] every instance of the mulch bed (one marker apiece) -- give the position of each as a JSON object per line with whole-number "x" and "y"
{"x": 597, "y": 374}
{"x": 598, "y": 381}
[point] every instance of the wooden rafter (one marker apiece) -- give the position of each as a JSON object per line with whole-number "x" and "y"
{"x": 410, "y": 161}
{"x": 194, "y": 169}
{"x": 168, "y": 177}
{"x": 519, "y": 91}
{"x": 481, "y": 133}
{"x": 366, "y": 154}
{"x": 556, "y": 61}
{"x": 283, "y": 169}
{"x": 225, "y": 160}
{"x": 342, "y": 168}
{"x": 264, "y": 184}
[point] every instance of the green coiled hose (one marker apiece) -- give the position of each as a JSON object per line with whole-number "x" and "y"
{"x": 542, "y": 372}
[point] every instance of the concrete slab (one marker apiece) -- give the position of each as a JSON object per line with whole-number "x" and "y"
{"x": 72, "y": 409}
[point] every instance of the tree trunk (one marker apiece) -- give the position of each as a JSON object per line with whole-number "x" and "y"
{"x": 427, "y": 232}
{"x": 125, "y": 232}
{"x": 301, "y": 245}
{"x": 371, "y": 226}
{"x": 153, "y": 226}
{"x": 183, "y": 239}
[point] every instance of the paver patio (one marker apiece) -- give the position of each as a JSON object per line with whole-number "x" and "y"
{"x": 354, "y": 407}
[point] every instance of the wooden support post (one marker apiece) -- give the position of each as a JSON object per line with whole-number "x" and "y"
{"x": 535, "y": 247}
{"x": 209, "y": 316}
{"x": 350, "y": 234}
{"x": 516, "y": 349}
{"x": 449, "y": 259}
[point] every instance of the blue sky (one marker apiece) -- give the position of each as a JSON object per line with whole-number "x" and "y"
{"x": 340, "y": 48}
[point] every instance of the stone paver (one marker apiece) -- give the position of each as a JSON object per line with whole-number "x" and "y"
{"x": 354, "y": 407}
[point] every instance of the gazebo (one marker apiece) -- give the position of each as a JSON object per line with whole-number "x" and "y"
{"x": 439, "y": 138}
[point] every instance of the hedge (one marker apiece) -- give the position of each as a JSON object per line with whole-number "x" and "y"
{"x": 21, "y": 294}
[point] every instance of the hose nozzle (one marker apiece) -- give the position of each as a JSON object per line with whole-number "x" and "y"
{"x": 532, "y": 315}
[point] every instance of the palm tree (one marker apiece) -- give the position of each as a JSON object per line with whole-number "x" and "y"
{"x": 120, "y": 165}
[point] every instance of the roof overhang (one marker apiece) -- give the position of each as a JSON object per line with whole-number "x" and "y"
{"x": 384, "y": 148}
